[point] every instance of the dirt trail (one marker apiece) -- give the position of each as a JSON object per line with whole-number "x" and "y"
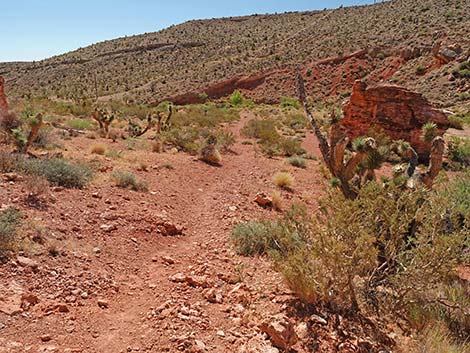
{"x": 149, "y": 312}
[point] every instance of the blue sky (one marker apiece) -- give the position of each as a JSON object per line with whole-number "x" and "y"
{"x": 37, "y": 29}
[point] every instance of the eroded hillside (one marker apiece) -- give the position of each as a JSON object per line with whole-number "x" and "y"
{"x": 397, "y": 38}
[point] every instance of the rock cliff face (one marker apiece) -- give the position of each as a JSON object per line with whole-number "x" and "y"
{"x": 397, "y": 111}
{"x": 3, "y": 98}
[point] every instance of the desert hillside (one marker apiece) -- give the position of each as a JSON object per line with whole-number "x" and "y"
{"x": 397, "y": 38}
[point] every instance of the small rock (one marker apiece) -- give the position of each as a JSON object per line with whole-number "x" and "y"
{"x": 318, "y": 320}
{"x": 103, "y": 303}
{"x": 27, "y": 262}
{"x": 280, "y": 331}
{"x": 168, "y": 229}
{"x": 263, "y": 200}
{"x": 168, "y": 260}
{"x": 302, "y": 330}
{"x": 199, "y": 346}
{"x": 178, "y": 278}
{"x": 220, "y": 333}
{"x": 108, "y": 227}
{"x": 197, "y": 281}
{"x": 213, "y": 296}
{"x": 96, "y": 250}
{"x": 46, "y": 338}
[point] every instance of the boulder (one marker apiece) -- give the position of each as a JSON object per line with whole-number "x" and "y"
{"x": 394, "y": 110}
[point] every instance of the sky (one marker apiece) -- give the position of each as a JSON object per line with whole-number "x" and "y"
{"x": 38, "y": 29}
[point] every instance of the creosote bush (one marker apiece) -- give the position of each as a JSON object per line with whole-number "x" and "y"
{"x": 57, "y": 171}
{"x": 388, "y": 251}
{"x": 128, "y": 180}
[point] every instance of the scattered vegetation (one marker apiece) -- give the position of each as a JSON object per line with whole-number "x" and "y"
{"x": 458, "y": 153}
{"x": 127, "y": 180}
{"x": 57, "y": 171}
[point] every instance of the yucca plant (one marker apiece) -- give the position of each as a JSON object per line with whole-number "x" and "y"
{"x": 429, "y": 131}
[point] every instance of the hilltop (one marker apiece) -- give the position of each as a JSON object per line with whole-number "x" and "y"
{"x": 391, "y": 41}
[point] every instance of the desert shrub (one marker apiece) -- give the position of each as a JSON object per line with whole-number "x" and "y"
{"x": 57, "y": 171}
{"x": 437, "y": 339}
{"x": 290, "y": 102}
{"x": 420, "y": 70}
{"x": 79, "y": 124}
{"x": 185, "y": 138}
{"x": 298, "y": 162}
{"x": 46, "y": 138}
{"x": 225, "y": 140}
{"x": 98, "y": 148}
{"x": 36, "y": 187}
{"x": 271, "y": 142}
{"x": 458, "y": 151}
{"x": 283, "y": 180}
{"x": 296, "y": 121}
{"x": 127, "y": 180}
{"x": 10, "y": 220}
{"x": 456, "y": 122}
{"x": 273, "y": 238}
{"x": 236, "y": 98}
{"x": 463, "y": 70}
{"x": 251, "y": 238}
{"x": 387, "y": 251}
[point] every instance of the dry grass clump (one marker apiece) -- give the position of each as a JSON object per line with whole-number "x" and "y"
{"x": 98, "y": 148}
{"x": 276, "y": 198}
{"x": 283, "y": 180}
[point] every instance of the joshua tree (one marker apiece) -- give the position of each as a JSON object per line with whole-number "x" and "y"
{"x": 153, "y": 119}
{"x": 104, "y": 120}
{"x": 333, "y": 152}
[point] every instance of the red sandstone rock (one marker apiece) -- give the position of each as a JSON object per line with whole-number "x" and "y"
{"x": 395, "y": 110}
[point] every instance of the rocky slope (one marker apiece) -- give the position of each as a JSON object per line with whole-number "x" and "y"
{"x": 417, "y": 44}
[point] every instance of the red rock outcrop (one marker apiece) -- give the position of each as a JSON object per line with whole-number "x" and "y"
{"x": 397, "y": 111}
{"x": 3, "y": 98}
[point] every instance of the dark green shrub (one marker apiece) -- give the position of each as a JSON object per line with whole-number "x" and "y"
{"x": 57, "y": 171}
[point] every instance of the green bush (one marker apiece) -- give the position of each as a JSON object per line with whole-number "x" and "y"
{"x": 236, "y": 98}
{"x": 128, "y": 180}
{"x": 298, "y": 162}
{"x": 290, "y": 102}
{"x": 272, "y": 238}
{"x": 10, "y": 219}
{"x": 57, "y": 171}
{"x": 272, "y": 143}
{"x": 389, "y": 251}
{"x": 459, "y": 152}
{"x": 79, "y": 124}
